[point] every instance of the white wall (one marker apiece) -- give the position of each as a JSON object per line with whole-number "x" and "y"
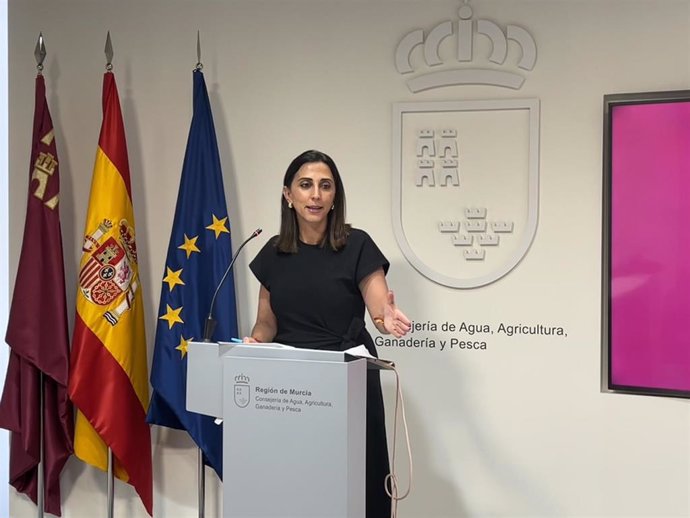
{"x": 518, "y": 429}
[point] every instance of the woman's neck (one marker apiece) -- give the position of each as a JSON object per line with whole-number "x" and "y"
{"x": 311, "y": 236}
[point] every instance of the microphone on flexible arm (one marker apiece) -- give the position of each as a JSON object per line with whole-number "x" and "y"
{"x": 210, "y": 324}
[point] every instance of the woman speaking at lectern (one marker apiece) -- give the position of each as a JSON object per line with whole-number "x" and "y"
{"x": 317, "y": 276}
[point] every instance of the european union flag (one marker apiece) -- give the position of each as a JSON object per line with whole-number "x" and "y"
{"x": 200, "y": 250}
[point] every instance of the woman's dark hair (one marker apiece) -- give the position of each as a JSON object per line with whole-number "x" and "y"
{"x": 336, "y": 231}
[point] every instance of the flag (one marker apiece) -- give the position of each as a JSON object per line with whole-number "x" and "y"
{"x": 108, "y": 372}
{"x": 199, "y": 252}
{"x": 37, "y": 330}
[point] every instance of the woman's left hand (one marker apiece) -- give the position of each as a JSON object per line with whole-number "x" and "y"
{"x": 394, "y": 320}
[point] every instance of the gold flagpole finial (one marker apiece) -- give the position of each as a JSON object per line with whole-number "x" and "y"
{"x": 40, "y": 52}
{"x": 108, "y": 53}
{"x": 199, "y": 64}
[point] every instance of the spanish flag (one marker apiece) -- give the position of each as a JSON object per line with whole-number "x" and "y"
{"x": 108, "y": 371}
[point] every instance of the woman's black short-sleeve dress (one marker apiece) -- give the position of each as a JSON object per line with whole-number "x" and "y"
{"x": 316, "y": 299}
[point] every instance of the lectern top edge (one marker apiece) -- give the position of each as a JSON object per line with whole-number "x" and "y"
{"x": 280, "y": 351}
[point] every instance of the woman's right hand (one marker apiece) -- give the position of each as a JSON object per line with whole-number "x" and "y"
{"x": 249, "y": 340}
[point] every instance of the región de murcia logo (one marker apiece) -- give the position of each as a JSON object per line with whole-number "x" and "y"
{"x": 108, "y": 272}
{"x": 242, "y": 390}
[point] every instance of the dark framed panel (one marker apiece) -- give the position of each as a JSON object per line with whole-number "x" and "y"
{"x": 646, "y": 243}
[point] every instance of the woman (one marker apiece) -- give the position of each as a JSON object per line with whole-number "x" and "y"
{"x": 316, "y": 278}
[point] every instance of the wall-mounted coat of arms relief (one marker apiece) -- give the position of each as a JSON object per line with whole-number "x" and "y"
{"x": 465, "y": 172}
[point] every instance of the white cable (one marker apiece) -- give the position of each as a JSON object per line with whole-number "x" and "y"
{"x": 392, "y": 478}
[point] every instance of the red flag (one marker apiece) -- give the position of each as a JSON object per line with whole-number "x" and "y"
{"x": 109, "y": 372}
{"x": 37, "y": 330}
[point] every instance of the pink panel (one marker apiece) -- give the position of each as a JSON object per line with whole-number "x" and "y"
{"x": 650, "y": 246}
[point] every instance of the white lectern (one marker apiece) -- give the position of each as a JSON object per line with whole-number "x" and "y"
{"x": 294, "y": 427}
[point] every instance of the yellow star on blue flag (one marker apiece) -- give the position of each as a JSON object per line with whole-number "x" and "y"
{"x": 218, "y": 225}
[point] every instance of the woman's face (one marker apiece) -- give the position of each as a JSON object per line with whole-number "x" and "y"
{"x": 312, "y": 193}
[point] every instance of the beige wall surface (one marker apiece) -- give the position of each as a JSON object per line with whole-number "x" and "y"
{"x": 520, "y": 428}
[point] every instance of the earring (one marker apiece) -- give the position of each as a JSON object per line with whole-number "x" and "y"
{"x": 289, "y": 205}
{"x": 333, "y": 207}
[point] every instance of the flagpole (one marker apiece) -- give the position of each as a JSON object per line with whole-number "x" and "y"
{"x": 40, "y": 497}
{"x": 202, "y": 483}
{"x": 111, "y": 485}
{"x": 201, "y": 472}
{"x": 40, "y": 54}
{"x": 111, "y": 472}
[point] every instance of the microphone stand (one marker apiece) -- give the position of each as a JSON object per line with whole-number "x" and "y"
{"x": 210, "y": 324}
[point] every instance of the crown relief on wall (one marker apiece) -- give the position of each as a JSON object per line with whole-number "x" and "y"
{"x": 463, "y": 31}
{"x": 476, "y": 229}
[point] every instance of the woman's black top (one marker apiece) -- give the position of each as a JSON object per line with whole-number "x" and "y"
{"x": 315, "y": 293}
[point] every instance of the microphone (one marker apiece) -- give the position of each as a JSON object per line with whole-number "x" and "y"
{"x": 210, "y": 324}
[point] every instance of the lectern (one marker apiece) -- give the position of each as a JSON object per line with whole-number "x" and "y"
{"x": 294, "y": 427}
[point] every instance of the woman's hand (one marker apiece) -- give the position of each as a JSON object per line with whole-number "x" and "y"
{"x": 380, "y": 302}
{"x": 249, "y": 340}
{"x": 394, "y": 320}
